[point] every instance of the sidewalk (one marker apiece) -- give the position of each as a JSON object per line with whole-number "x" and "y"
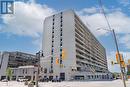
{"x": 116, "y": 83}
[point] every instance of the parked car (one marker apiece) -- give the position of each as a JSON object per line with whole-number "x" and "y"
{"x": 44, "y": 80}
{"x": 56, "y": 80}
{"x": 22, "y": 79}
{"x": 4, "y": 80}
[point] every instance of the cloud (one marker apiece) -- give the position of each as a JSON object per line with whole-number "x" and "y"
{"x": 27, "y": 20}
{"x": 118, "y": 21}
{"x": 125, "y": 40}
{"x": 125, "y": 2}
{"x": 38, "y": 42}
{"x": 88, "y": 10}
{"x": 93, "y": 10}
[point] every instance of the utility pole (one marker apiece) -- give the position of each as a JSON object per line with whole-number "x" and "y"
{"x": 38, "y": 55}
{"x": 114, "y": 35}
{"x": 122, "y": 69}
{"x": 37, "y": 68}
{"x": 36, "y": 77}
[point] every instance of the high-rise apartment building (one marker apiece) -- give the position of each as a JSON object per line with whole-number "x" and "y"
{"x": 71, "y": 51}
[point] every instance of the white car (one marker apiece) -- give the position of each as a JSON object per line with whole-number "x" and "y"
{"x": 22, "y": 79}
{"x": 4, "y": 80}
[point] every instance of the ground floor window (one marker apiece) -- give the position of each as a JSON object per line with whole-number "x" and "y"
{"x": 50, "y": 78}
{"x": 3, "y": 77}
{"x": 62, "y": 76}
{"x": 79, "y": 77}
{"x": 13, "y": 77}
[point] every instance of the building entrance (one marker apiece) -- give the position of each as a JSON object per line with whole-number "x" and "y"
{"x": 62, "y": 76}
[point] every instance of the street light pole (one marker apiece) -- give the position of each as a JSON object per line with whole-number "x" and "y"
{"x": 38, "y": 67}
{"x": 122, "y": 71}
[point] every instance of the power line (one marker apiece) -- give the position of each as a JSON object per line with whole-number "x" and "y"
{"x": 103, "y": 12}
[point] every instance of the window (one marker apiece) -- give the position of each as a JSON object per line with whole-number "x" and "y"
{"x": 61, "y": 44}
{"x": 78, "y": 68}
{"x": 41, "y": 69}
{"x": 45, "y": 70}
{"x": 52, "y": 31}
{"x": 26, "y": 71}
{"x": 61, "y": 34}
{"x": 60, "y": 49}
{"x": 88, "y": 77}
{"x": 61, "y": 39}
{"x": 52, "y": 40}
{"x": 61, "y": 25}
{"x": 51, "y": 61}
{"x": 52, "y": 35}
{"x": 23, "y": 71}
{"x": 61, "y": 17}
{"x": 60, "y": 54}
{"x": 51, "y": 71}
{"x": 53, "y": 19}
{"x": 52, "y": 50}
{"x": 60, "y": 61}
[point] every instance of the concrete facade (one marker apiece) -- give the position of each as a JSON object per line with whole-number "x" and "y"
{"x": 85, "y": 57}
{"x": 27, "y": 72}
{"x": 14, "y": 60}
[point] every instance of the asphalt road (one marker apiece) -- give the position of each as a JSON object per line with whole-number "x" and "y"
{"x": 115, "y": 83}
